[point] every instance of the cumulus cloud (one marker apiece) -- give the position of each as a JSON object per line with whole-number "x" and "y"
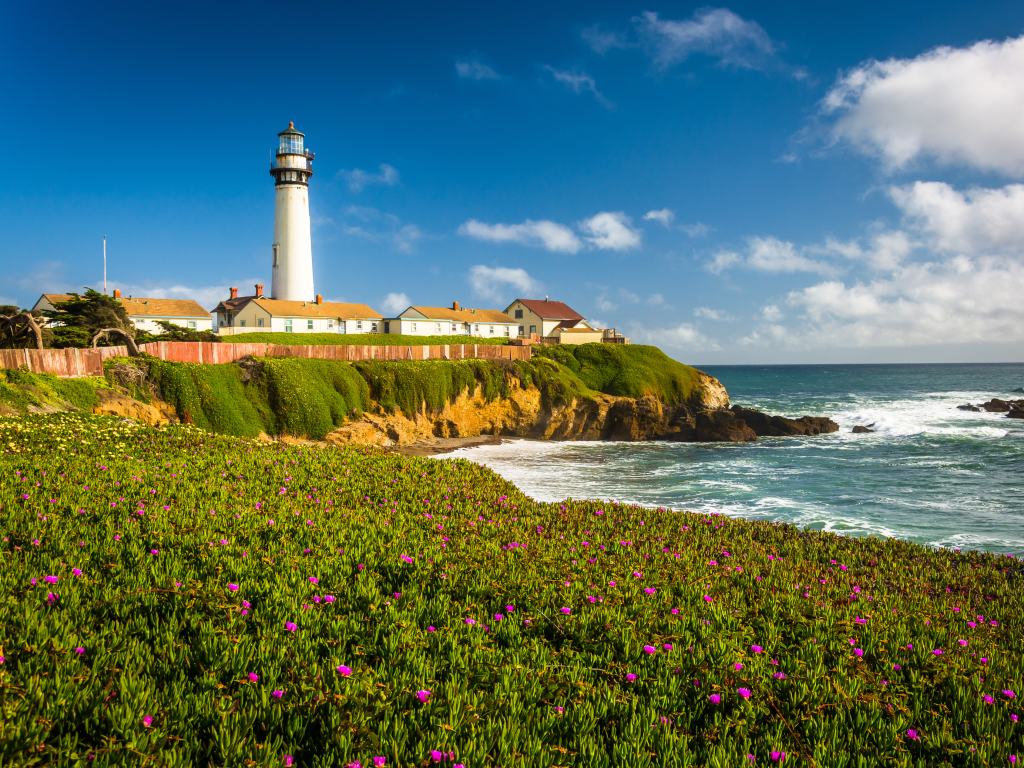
{"x": 474, "y": 69}
{"x": 721, "y": 261}
{"x": 767, "y": 254}
{"x": 663, "y": 216}
{"x": 545, "y": 234}
{"x": 358, "y": 179}
{"x": 683, "y": 337}
{"x": 956, "y": 106}
{"x": 715, "y": 32}
{"x": 499, "y": 283}
{"x": 578, "y": 82}
{"x": 695, "y": 229}
{"x": 610, "y": 230}
{"x": 978, "y": 220}
{"x": 394, "y": 303}
{"x": 771, "y": 313}
{"x": 710, "y": 313}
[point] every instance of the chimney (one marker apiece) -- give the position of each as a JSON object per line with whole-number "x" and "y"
{"x": 117, "y": 293}
{"x": 234, "y": 292}
{"x": 455, "y": 306}
{"x": 319, "y": 298}
{"x": 259, "y": 290}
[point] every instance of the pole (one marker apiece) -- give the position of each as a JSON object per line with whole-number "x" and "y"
{"x": 104, "y": 265}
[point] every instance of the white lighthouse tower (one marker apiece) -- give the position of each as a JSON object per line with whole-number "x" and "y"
{"x": 293, "y": 246}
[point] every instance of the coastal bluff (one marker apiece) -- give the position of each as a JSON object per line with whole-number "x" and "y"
{"x": 587, "y": 392}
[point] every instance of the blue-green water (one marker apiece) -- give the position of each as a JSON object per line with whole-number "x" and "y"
{"x": 930, "y": 473}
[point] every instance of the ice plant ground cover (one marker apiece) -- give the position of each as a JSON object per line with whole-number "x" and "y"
{"x": 172, "y": 597}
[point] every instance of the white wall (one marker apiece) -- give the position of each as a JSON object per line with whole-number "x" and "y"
{"x": 149, "y": 323}
{"x": 293, "y": 273}
{"x": 323, "y": 325}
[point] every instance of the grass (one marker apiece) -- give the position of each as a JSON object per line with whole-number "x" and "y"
{"x": 627, "y": 370}
{"x": 372, "y": 339}
{"x": 22, "y": 392}
{"x": 175, "y": 598}
{"x": 309, "y": 398}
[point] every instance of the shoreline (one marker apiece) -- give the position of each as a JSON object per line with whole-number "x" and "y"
{"x": 444, "y": 445}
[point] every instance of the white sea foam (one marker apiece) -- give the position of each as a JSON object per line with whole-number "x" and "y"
{"x": 928, "y": 414}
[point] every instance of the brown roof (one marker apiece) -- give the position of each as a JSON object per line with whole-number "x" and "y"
{"x": 588, "y": 329}
{"x": 329, "y": 309}
{"x": 464, "y": 315}
{"x": 550, "y": 310}
{"x": 142, "y": 307}
{"x": 56, "y": 298}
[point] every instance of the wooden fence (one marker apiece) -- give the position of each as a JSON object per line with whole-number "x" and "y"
{"x": 89, "y": 362}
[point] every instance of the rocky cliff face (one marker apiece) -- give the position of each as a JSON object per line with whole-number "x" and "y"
{"x": 524, "y": 413}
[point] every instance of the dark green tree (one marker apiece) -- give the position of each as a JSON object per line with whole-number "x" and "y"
{"x": 173, "y": 332}
{"x": 21, "y": 329}
{"x": 91, "y": 319}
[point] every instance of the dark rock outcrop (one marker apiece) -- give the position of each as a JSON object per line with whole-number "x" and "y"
{"x": 1013, "y": 409}
{"x": 722, "y": 426}
{"x": 764, "y": 425}
{"x": 860, "y": 429}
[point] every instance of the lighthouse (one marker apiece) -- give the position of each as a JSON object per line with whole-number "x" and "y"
{"x": 292, "y": 277}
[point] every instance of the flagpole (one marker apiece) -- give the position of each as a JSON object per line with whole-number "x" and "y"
{"x": 104, "y": 264}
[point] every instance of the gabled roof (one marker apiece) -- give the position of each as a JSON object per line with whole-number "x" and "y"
{"x": 328, "y": 309}
{"x": 55, "y": 298}
{"x": 143, "y": 307}
{"x": 463, "y": 315}
{"x": 550, "y": 310}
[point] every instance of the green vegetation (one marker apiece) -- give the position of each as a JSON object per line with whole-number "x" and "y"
{"x": 175, "y": 598}
{"x": 370, "y": 339}
{"x": 627, "y": 370}
{"x": 309, "y": 398}
{"x": 21, "y": 392}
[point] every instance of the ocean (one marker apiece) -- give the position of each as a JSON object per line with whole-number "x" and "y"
{"x": 929, "y": 473}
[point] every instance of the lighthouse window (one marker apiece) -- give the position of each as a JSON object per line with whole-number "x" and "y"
{"x": 276, "y": 248}
{"x": 291, "y": 144}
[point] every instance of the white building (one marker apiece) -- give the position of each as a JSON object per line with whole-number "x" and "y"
{"x": 540, "y": 317}
{"x": 292, "y": 250}
{"x": 146, "y": 313}
{"x": 247, "y": 314}
{"x": 452, "y": 321}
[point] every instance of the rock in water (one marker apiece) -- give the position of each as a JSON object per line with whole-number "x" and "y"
{"x": 779, "y": 426}
{"x": 1016, "y": 413}
{"x": 860, "y": 429}
{"x": 722, "y": 426}
{"x": 968, "y": 407}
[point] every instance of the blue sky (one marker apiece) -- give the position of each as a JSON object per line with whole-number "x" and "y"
{"x": 750, "y": 182}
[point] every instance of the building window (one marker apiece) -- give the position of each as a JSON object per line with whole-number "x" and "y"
{"x": 533, "y": 329}
{"x": 309, "y": 325}
{"x": 287, "y": 326}
{"x": 330, "y": 323}
{"x": 437, "y": 327}
{"x": 519, "y": 314}
{"x": 387, "y": 326}
{"x": 508, "y": 331}
{"x": 454, "y": 328}
{"x": 242, "y": 323}
{"x": 192, "y": 324}
{"x": 359, "y": 325}
{"x": 259, "y": 321}
{"x": 373, "y": 327}
{"x": 492, "y": 330}
{"x": 521, "y": 329}
{"x": 476, "y": 329}
{"x": 414, "y": 327}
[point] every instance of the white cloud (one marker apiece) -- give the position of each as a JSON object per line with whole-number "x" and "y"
{"x": 715, "y": 32}
{"x": 682, "y": 337}
{"x": 610, "y": 230}
{"x": 394, "y": 303}
{"x": 603, "y": 303}
{"x": 663, "y": 216}
{"x": 771, "y": 313}
{"x": 358, "y": 179}
{"x": 721, "y": 261}
{"x": 710, "y": 313}
{"x": 544, "y": 234}
{"x": 979, "y": 220}
{"x": 578, "y": 82}
{"x": 602, "y": 40}
{"x": 695, "y": 229}
{"x": 474, "y": 69}
{"x": 769, "y": 254}
{"x": 956, "y": 106}
{"x": 656, "y": 300}
{"x": 495, "y": 282}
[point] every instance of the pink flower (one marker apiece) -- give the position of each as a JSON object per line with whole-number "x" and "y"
{"x": 80, "y": 650}
{"x": 344, "y": 671}
{"x": 988, "y": 699}
{"x": 649, "y": 649}
{"x": 289, "y": 761}
{"x": 743, "y": 692}
{"x": 630, "y": 677}
{"x": 707, "y": 598}
{"x": 667, "y": 646}
{"x": 471, "y": 622}
{"x": 291, "y": 626}
{"x": 253, "y": 677}
{"x": 858, "y": 652}
{"x": 147, "y": 721}
{"x": 738, "y": 666}
{"x": 565, "y": 610}
{"x": 650, "y": 590}
{"x": 896, "y": 667}
{"x": 277, "y": 694}
{"x": 423, "y": 696}
{"x": 1009, "y": 694}
{"x": 233, "y": 587}
{"x": 50, "y": 579}
{"x": 76, "y": 571}
{"x": 778, "y": 757}
{"x": 715, "y": 698}
{"x": 154, "y": 552}
{"x": 756, "y": 648}
{"x": 937, "y": 652}
{"x": 913, "y": 735}
{"x": 379, "y": 761}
